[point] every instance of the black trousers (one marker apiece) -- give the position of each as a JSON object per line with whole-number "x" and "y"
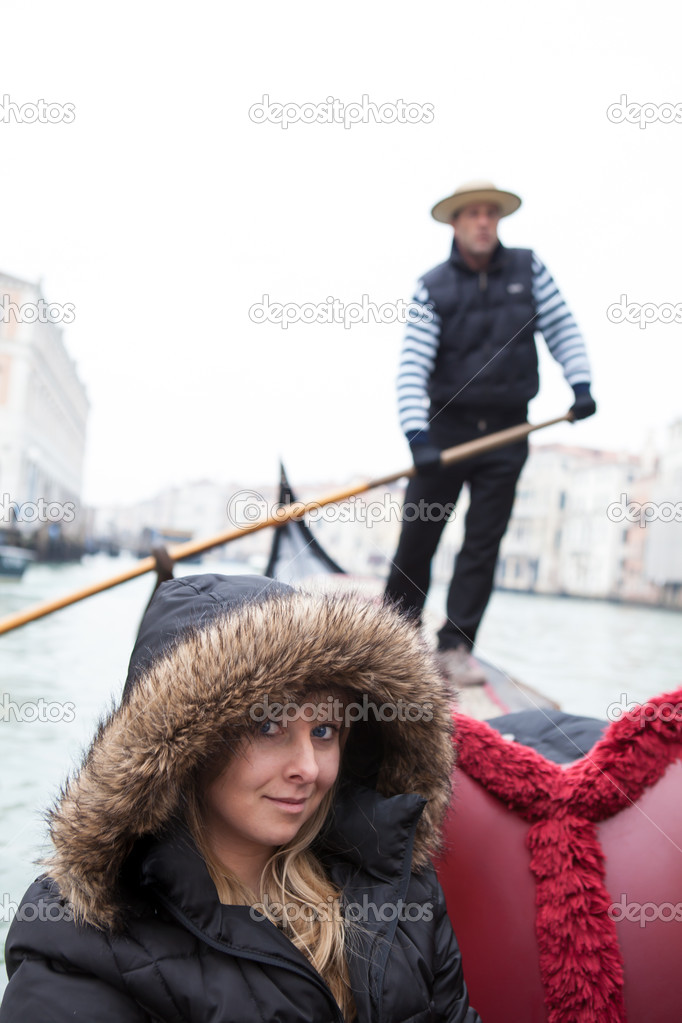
{"x": 492, "y": 479}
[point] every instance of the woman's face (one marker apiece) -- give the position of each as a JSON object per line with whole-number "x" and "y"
{"x": 274, "y": 784}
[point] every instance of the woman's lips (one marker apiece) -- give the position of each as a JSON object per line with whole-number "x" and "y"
{"x": 289, "y": 805}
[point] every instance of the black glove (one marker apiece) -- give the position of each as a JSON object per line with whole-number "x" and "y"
{"x": 584, "y": 404}
{"x": 425, "y": 455}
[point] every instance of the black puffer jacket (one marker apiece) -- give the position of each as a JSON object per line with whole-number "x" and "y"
{"x": 150, "y": 941}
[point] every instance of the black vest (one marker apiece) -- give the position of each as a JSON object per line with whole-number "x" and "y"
{"x": 487, "y": 360}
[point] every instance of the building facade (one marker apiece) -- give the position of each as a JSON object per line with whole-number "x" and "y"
{"x": 43, "y": 418}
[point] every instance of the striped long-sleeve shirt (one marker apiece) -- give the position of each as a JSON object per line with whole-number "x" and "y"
{"x": 422, "y": 338}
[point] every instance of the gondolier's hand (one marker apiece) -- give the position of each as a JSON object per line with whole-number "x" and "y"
{"x": 584, "y": 404}
{"x": 425, "y": 454}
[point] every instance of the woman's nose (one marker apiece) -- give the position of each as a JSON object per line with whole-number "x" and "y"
{"x": 302, "y": 760}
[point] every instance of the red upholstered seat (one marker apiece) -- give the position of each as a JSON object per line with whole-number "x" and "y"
{"x": 564, "y": 883}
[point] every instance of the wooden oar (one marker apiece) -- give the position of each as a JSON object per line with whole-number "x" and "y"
{"x": 281, "y": 515}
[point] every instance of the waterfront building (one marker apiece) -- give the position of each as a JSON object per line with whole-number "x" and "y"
{"x": 529, "y": 554}
{"x": 196, "y": 510}
{"x": 43, "y": 417}
{"x": 594, "y": 536}
{"x": 576, "y": 529}
{"x": 578, "y": 526}
{"x": 663, "y": 529}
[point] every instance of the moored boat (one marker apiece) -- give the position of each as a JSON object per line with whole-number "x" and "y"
{"x": 14, "y": 561}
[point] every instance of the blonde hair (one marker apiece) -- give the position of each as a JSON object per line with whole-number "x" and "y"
{"x": 295, "y": 895}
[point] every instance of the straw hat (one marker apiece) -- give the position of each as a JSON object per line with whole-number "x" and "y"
{"x": 474, "y": 191}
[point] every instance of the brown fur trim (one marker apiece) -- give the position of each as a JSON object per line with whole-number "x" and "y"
{"x": 194, "y": 704}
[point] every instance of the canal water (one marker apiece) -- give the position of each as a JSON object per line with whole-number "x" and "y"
{"x": 60, "y": 674}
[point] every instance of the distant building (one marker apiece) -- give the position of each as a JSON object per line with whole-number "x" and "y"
{"x": 529, "y": 555}
{"x": 663, "y": 559}
{"x": 592, "y": 551}
{"x": 586, "y": 523}
{"x": 560, "y": 537}
{"x": 43, "y": 416}
{"x": 197, "y": 510}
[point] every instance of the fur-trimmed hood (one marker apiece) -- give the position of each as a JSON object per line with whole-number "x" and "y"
{"x": 210, "y": 649}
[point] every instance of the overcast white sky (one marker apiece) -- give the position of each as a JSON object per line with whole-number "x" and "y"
{"x": 164, "y": 213}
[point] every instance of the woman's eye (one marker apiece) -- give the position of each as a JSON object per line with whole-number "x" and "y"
{"x": 324, "y": 731}
{"x": 269, "y": 728}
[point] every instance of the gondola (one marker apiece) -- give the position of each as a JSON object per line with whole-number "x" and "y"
{"x": 562, "y": 860}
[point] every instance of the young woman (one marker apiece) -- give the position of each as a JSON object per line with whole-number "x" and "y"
{"x": 249, "y": 836}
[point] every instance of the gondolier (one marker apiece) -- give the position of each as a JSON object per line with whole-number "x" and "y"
{"x": 469, "y": 368}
